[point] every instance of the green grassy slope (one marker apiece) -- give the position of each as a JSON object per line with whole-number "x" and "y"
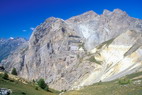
{"x": 19, "y": 88}
{"x": 117, "y": 87}
{"x": 129, "y": 85}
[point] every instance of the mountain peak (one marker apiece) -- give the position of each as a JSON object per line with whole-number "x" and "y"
{"x": 11, "y": 38}
{"x": 51, "y": 19}
{"x": 106, "y": 12}
{"x": 83, "y": 17}
{"x": 91, "y": 12}
{"x": 119, "y": 11}
{"x": 115, "y": 11}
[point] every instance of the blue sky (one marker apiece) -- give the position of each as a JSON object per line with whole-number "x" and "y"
{"x": 18, "y": 17}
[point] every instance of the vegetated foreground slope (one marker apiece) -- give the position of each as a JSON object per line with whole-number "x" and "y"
{"x": 129, "y": 85}
{"x": 21, "y": 87}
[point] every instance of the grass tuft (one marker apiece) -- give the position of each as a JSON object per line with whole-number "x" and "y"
{"x": 92, "y": 59}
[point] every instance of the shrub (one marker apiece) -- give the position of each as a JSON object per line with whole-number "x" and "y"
{"x": 5, "y": 76}
{"x": 63, "y": 90}
{"x": 33, "y": 81}
{"x": 14, "y": 72}
{"x": 11, "y": 80}
{"x": 23, "y": 93}
{"x": 46, "y": 88}
{"x": 92, "y": 59}
{"x": 42, "y": 84}
{"x": 36, "y": 88}
{"x": 124, "y": 81}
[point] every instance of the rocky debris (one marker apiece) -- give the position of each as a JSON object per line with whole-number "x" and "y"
{"x": 80, "y": 51}
{"x": 136, "y": 78}
{"x": 137, "y": 82}
{"x": 5, "y": 91}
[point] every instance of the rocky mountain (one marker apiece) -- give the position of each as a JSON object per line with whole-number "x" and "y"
{"x": 7, "y": 46}
{"x": 81, "y": 50}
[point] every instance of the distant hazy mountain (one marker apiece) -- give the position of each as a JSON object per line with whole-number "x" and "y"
{"x": 82, "y": 50}
{"x": 7, "y": 46}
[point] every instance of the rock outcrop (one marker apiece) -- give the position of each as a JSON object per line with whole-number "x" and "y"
{"x": 80, "y": 51}
{"x": 5, "y": 91}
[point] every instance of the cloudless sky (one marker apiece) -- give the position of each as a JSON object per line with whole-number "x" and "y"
{"x": 17, "y": 17}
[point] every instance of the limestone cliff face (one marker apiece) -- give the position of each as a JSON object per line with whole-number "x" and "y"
{"x": 99, "y": 28}
{"x": 80, "y": 51}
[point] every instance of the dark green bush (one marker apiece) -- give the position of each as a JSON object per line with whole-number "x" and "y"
{"x": 14, "y": 72}
{"x": 33, "y": 81}
{"x": 42, "y": 84}
{"x": 23, "y": 93}
{"x": 63, "y": 90}
{"x": 92, "y": 59}
{"x": 36, "y": 88}
{"x": 5, "y": 76}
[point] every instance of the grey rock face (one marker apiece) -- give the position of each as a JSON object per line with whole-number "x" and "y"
{"x": 5, "y": 91}
{"x": 58, "y": 50}
{"x": 99, "y": 28}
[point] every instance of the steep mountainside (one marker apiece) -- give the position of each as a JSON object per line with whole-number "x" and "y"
{"x": 7, "y": 46}
{"x": 82, "y": 50}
